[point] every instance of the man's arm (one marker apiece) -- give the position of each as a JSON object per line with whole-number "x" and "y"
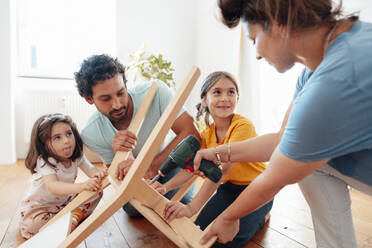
{"x": 182, "y": 127}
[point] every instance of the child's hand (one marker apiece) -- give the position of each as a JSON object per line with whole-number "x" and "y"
{"x": 175, "y": 209}
{"x": 123, "y": 168}
{"x": 101, "y": 174}
{"x": 159, "y": 187}
{"x": 92, "y": 184}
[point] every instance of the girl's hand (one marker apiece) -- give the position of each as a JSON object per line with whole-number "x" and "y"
{"x": 175, "y": 209}
{"x": 92, "y": 184}
{"x": 123, "y": 168}
{"x": 101, "y": 174}
{"x": 159, "y": 187}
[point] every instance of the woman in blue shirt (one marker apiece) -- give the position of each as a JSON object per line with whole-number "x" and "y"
{"x": 325, "y": 142}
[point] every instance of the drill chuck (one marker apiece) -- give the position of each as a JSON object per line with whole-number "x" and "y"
{"x": 168, "y": 165}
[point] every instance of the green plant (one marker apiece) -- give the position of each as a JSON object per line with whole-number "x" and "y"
{"x": 151, "y": 67}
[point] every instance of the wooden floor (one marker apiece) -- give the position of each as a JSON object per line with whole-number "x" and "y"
{"x": 290, "y": 225}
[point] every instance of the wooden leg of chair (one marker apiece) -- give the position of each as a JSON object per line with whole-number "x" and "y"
{"x": 75, "y": 203}
{"x": 184, "y": 227}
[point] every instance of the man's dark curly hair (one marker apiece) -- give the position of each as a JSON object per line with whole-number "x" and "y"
{"x": 97, "y": 68}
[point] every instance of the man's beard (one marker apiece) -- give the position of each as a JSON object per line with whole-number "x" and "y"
{"x": 120, "y": 117}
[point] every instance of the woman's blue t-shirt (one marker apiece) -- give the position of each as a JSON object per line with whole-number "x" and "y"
{"x": 332, "y": 112}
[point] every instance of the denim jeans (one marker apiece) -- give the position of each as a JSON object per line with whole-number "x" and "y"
{"x": 327, "y": 193}
{"x": 223, "y": 198}
{"x": 132, "y": 212}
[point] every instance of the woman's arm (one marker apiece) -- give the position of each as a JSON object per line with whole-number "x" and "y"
{"x": 281, "y": 172}
{"x": 258, "y": 149}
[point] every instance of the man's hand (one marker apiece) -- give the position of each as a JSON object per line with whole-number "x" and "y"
{"x": 123, "y": 168}
{"x": 124, "y": 140}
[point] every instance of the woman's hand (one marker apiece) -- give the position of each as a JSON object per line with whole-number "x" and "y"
{"x": 207, "y": 154}
{"x": 159, "y": 187}
{"x": 92, "y": 184}
{"x": 175, "y": 209}
{"x": 223, "y": 228}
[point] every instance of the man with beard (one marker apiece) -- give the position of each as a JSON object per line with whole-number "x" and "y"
{"x": 101, "y": 81}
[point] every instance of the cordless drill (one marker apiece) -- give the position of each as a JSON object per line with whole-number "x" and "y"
{"x": 183, "y": 156}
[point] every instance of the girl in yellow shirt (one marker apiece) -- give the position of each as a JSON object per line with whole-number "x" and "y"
{"x": 219, "y": 96}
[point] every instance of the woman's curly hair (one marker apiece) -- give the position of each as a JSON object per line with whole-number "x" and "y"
{"x": 296, "y": 14}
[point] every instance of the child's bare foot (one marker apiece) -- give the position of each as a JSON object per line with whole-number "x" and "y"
{"x": 267, "y": 217}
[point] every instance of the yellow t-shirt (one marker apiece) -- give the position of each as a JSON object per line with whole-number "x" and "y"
{"x": 240, "y": 129}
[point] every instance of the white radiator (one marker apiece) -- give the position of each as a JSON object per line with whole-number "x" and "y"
{"x": 37, "y": 102}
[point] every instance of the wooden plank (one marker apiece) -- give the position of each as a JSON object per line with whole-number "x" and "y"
{"x": 48, "y": 237}
{"x": 270, "y": 238}
{"x": 140, "y": 233}
{"x": 14, "y": 179}
{"x": 159, "y": 223}
{"x": 183, "y": 226}
{"x": 127, "y": 189}
{"x": 107, "y": 235}
{"x": 12, "y": 236}
{"x": 293, "y": 229}
{"x": 251, "y": 244}
{"x": 134, "y": 127}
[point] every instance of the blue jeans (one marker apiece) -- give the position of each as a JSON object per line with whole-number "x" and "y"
{"x": 223, "y": 198}
{"x": 132, "y": 212}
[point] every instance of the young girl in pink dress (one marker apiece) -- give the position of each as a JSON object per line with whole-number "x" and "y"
{"x": 55, "y": 153}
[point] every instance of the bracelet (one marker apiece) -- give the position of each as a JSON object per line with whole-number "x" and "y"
{"x": 228, "y": 152}
{"x": 218, "y": 155}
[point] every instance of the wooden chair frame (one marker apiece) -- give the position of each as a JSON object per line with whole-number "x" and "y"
{"x": 182, "y": 231}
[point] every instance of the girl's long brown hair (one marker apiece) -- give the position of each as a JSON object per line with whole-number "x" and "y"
{"x": 40, "y": 138}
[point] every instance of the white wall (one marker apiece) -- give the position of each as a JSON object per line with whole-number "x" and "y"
{"x": 166, "y": 27}
{"x": 186, "y": 32}
{"x": 217, "y": 47}
{"x": 7, "y": 129}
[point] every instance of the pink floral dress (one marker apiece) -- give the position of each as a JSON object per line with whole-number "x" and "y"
{"x": 40, "y": 205}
